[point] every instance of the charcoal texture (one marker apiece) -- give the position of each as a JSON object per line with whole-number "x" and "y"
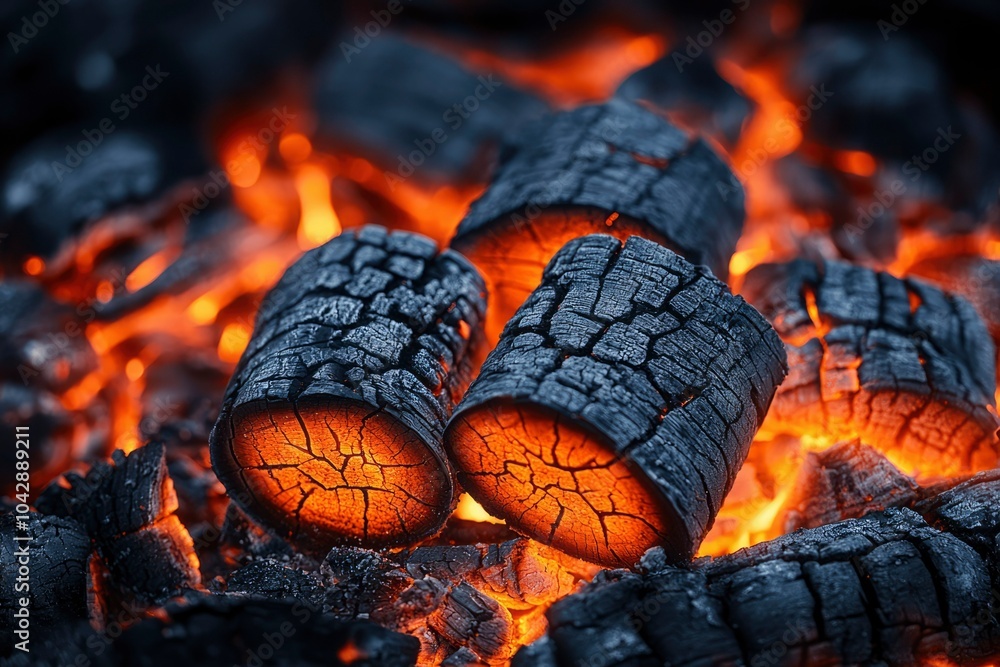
{"x": 53, "y": 552}
{"x": 417, "y": 113}
{"x": 373, "y": 322}
{"x": 845, "y": 481}
{"x": 888, "y": 589}
{"x": 127, "y": 508}
{"x": 654, "y": 355}
{"x": 897, "y": 363}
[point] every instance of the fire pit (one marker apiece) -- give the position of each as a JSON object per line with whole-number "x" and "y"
{"x": 423, "y": 332}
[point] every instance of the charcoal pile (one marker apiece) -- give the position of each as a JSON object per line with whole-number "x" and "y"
{"x": 427, "y": 332}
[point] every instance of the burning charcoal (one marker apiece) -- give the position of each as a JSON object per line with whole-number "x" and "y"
{"x": 234, "y": 630}
{"x": 331, "y": 427}
{"x": 846, "y": 481}
{"x": 49, "y": 197}
{"x": 896, "y": 363}
{"x": 884, "y": 589}
{"x": 55, "y": 558}
{"x": 272, "y": 579}
{"x": 42, "y": 343}
{"x": 616, "y": 169}
{"x": 127, "y": 507}
{"x": 619, "y": 404}
{"x": 693, "y": 95}
{"x": 360, "y": 582}
{"x": 416, "y": 112}
{"x": 242, "y": 538}
{"x": 451, "y": 617}
{"x": 520, "y": 573}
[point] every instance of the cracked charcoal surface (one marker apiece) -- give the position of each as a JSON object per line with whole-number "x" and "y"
{"x": 619, "y": 404}
{"x": 614, "y": 168}
{"x": 845, "y": 481}
{"x": 893, "y": 588}
{"x": 330, "y": 431}
{"x": 127, "y": 508}
{"x": 56, "y": 582}
{"x": 897, "y": 363}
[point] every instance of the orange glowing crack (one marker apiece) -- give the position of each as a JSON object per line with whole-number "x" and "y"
{"x": 341, "y": 473}
{"x": 557, "y": 483}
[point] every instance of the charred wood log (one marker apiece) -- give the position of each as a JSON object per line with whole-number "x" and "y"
{"x": 692, "y": 94}
{"x": 330, "y": 431}
{"x": 619, "y": 404}
{"x": 884, "y": 589}
{"x": 416, "y": 112}
{"x": 614, "y": 169}
{"x": 846, "y": 481}
{"x": 127, "y": 508}
{"x": 44, "y": 561}
{"x": 896, "y": 363}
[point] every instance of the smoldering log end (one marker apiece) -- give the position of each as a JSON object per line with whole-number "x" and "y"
{"x": 330, "y": 430}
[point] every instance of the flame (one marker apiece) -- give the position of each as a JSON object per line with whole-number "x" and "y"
{"x": 319, "y": 221}
{"x": 470, "y": 510}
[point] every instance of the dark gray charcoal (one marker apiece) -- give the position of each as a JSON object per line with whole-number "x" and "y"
{"x": 330, "y": 430}
{"x": 885, "y": 589}
{"x": 631, "y": 374}
{"x": 127, "y": 508}
{"x": 55, "y": 560}
{"x": 394, "y": 102}
{"x": 845, "y": 481}
{"x": 900, "y": 364}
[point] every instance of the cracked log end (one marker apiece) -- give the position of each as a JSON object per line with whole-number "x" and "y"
{"x": 331, "y": 428}
{"x": 618, "y": 404}
{"x": 340, "y": 467}
{"x": 898, "y": 364}
{"x": 558, "y": 482}
{"x": 615, "y": 168}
